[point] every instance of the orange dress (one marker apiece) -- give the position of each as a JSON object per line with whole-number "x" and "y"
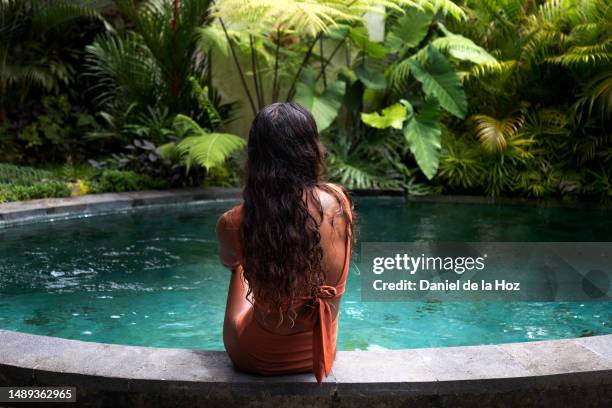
{"x": 312, "y": 350}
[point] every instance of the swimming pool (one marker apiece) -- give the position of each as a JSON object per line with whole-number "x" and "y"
{"x": 151, "y": 277}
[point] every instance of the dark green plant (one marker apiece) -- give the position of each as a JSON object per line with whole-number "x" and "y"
{"x": 201, "y": 146}
{"x": 125, "y": 180}
{"x": 540, "y": 123}
{"x": 400, "y": 88}
{"x": 12, "y": 174}
{"x": 143, "y": 157}
{"x": 41, "y": 189}
{"x": 55, "y": 133}
{"x": 145, "y": 70}
{"x": 35, "y": 50}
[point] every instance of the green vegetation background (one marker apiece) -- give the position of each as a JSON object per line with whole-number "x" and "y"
{"x": 493, "y": 97}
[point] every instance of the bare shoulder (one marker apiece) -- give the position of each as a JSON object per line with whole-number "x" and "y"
{"x": 333, "y": 202}
{"x": 231, "y": 218}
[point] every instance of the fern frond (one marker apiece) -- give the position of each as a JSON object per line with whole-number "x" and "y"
{"x": 463, "y": 48}
{"x": 308, "y": 17}
{"x": 205, "y": 103}
{"x": 200, "y": 147}
{"x": 459, "y": 164}
{"x": 358, "y": 174}
{"x": 53, "y": 15}
{"x": 588, "y": 55}
{"x": 590, "y": 145}
{"x": 497, "y": 68}
{"x": 597, "y": 94}
{"x": 122, "y": 65}
{"x": 212, "y": 37}
{"x": 445, "y": 7}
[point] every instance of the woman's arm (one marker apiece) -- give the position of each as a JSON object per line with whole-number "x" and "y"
{"x": 228, "y": 240}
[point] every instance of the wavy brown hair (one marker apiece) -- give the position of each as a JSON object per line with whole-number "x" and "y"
{"x": 281, "y": 244}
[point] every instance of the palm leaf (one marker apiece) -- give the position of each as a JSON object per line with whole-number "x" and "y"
{"x": 460, "y": 165}
{"x": 586, "y": 55}
{"x": 307, "y": 17}
{"x": 124, "y": 68}
{"x": 500, "y": 69}
{"x": 597, "y": 94}
{"x": 53, "y": 15}
{"x": 494, "y": 134}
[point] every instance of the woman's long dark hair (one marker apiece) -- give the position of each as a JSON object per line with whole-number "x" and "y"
{"x": 281, "y": 244}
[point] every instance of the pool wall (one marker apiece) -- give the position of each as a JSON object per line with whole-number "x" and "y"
{"x": 573, "y": 372}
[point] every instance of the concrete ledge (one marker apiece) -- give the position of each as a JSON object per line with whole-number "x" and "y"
{"x": 34, "y": 210}
{"x": 576, "y": 372}
{"x": 20, "y": 212}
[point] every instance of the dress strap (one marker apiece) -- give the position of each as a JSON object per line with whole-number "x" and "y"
{"x": 323, "y": 335}
{"x": 323, "y": 339}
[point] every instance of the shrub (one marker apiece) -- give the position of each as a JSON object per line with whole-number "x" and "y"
{"x": 11, "y": 174}
{"x": 121, "y": 180}
{"x": 42, "y": 189}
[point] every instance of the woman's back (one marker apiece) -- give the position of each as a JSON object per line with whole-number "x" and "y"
{"x": 333, "y": 238}
{"x": 288, "y": 246}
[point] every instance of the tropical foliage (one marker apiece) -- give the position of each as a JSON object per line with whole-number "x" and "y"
{"x": 541, "y": 115}
{"x": 36, "y": 49}
{"x": 399, "y": 88}
{"x": 495, "y": 97}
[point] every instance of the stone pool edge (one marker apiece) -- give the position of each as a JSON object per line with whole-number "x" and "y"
{"x": 552, "y": 372}
{"x": 21, "y": 212}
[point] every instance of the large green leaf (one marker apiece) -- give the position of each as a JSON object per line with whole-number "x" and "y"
{"x": 423, "y": 136}
{"x": 392, "y": 116}
{"x": 440, "y": 80}
{"x": 409, "y": 30}
{"x": 322, "y": 103}
{"x": 206, "y": 149}
{"x": 371, "y": 78}
{"x": 361, "y": 38}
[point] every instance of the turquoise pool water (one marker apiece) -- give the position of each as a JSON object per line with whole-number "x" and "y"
{"x": 151, "y": 277}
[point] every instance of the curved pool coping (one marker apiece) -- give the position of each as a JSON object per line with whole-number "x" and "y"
{"x": 567, "y": 372}
{"x": 551, "y": 373}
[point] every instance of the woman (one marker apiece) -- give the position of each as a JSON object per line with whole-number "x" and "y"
{"x": 288, "y": 246}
